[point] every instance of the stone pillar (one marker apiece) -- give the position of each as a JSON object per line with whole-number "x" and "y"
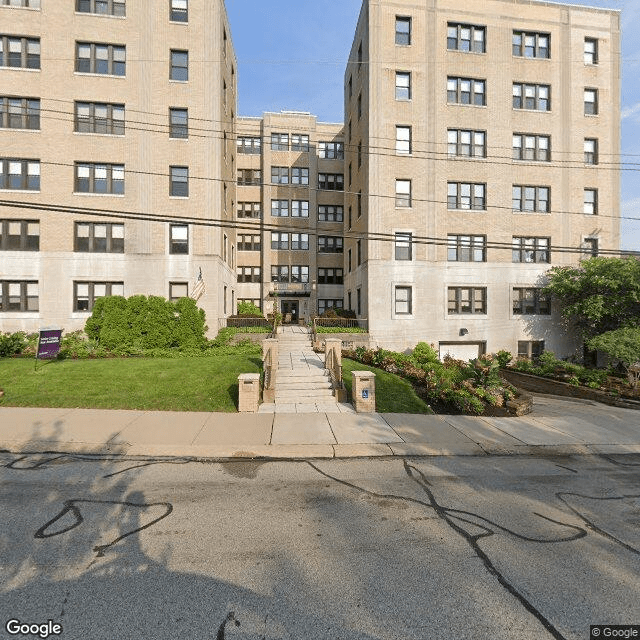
{"x": 364, "y": 391}
{"x": 248, "y": 392}
{"x": 335, "y": 345}
{"x": 269, "y": 353}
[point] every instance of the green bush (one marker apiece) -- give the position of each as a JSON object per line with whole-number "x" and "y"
{"x": 12, "y": 344}
{"x": 504, "y": 357}
{"x": 424, "y": 353}
{"x": 249, "y": 309}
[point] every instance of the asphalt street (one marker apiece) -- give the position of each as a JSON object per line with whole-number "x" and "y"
{"x": 459, "y": 547}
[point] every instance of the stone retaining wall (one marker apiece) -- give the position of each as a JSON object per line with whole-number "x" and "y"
{"x": 349, "y": 340}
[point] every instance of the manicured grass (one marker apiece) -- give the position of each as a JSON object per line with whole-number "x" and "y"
{"x": 393, "y": 394}
{"x": 161, "y": 384}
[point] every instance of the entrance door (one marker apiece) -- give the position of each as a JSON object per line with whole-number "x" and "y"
{"x": 290, "y": 311}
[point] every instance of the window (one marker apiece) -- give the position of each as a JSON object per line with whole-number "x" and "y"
{"x": 179, "y": 69}
{"x": 299, "y": 273}
{"x": 403, "y": 85}
{"x": 359, "y": 252}
{"x": 359, "y": 106}
{"x": 99, "y": 178}
{"x": 590, "y": 151}
{"x": 248, "y": 177}
{"x": 330, "y": 244}
{"x": 179, "y": 238}
{"x": 249, "y": 274}
{"x": 403, "y": 140}
{"x": 530, "y": 302}
{"x": 464, "y": 300}
{"x": 331, "y": 181}
{"x": 178, "y": 290}
{"x": 531, "y": 45}
{"x": 18, "y": 295}
{"x": 403, "y": 245}
{"x": 531, "y": 250}
{"x": 99, "y": 117}
{"x": 590, "y": 102}
{"x": 102, "y": 7}
{"x": 280, "y": 142}
{"x": 280, "y": 208}
{"x": 466, "y": 91}
{"x": 530, "y": 349}
{"x": 101, "y": 59}
{"x": 249, "y": 242}
{"x": 359, "y": 301}
{"x": 466, "y": 248}
{"x": 325, "y": 304}
{"x": 279, "y": 175}
{"x": 179, "y": 11}
{"x": 19, "y": 52}
{"x": 330, "y": 213}
{"x": 535, "y": 97}
{"x": 403, "y": 30}
{"x": 590, "y": 51}
{"x": 403, "y": 301}
{"x": 279, "y": 273}
{"x": 249, "y": 210}
{"x": 528, "y": 146}
{"x": 279, "y": 241}
{"x": 299, "y": 242}
{"x": 464, "y": 195}
{"x": 31, "y": 4}
{"x": 359, "y": 154}
{"x": 299, "y": 142}
{"x": 299, "y": 175}
{"x": 590, "y": 247}
{"x": 19, "y": 113}
{"x": 249, "y": 144}
{"x": 330, "y": 276}
{"x": 403, "y": 193}
{"x": 299, "y": 208}
{"x": 530, "y": 199}
{"x": 179, "y": 182}
{"x": 467, "y": 144}
{"x": 349, "y": 264}
{"x": 360, "y": 57}
{"x": 466, "y": 37}
{"x": 178, "y": 123}
{"x": 359, "y": 203}
{"x": 331, "y": 150}
{"x": 85, "y": 294}
{"x": 19, "y": 235}
{"x": 591, "y": 202}
{"x": 98, "y": 237}
{"x": 18, "y": 174}
{"x": 350, "y": 87}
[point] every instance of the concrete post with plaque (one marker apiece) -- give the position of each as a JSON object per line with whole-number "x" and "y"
{"x": 364, "y": 391}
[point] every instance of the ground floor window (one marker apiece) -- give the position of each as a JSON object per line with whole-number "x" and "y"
{"x": 530, "y": 349}
{"x": 85, "y": 294}
{"x": 178, "y": 290}
{"x": 324, "y": 304}
{"x": 18, "y": 295}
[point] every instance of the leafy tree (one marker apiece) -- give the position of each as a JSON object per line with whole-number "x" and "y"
{"x": 621, "y": 344}
{"x": 600, "y": 295}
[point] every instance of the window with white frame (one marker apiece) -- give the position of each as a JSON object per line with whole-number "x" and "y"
{"x": 530, "y": 44}
{"x": 280, "y": 208}
{"x": 591, "y": 151}
{"x": 403, "y": 139}
{"x": 466, "y": 37}
{"x": 19, "y": 52}
{"x": 300, "y": 175}
{"x": 403, "y": 193}
{"x": 466, "y": 144}
{"x": 179, "y": 65}
{"x": 466, "y": 248}
{"x": 101, "y": 58}
{"x": 299, "y": 142}
{"x": 98, "y": 237}
{"x": 403, "y": 301}
{"x": 101, "y": 7}
{"x": 531, "y": 199}
{"x": 467, "y": 300}
{"x": 19, "y": 113}
{"x": 591, "y": 102}
{"x": 178, "y": 11}
{"x": 178, "y": 122}
{"x": 403, "y": 30}
{"x": 249, "y": 144}
{"x": 331, "y": 150}
{"x": 330, "y": 213}
{"x": 530, "y": 301}
{"x": 179, "y": 182}
{"x": 179, "y": 239}
{"x": 299, "y": 242}
{"x": 591, "y": 202}
{"x": 279, "y": 241}
{"x": 403, "y": 85}
{"x": 279, "y": 142}
{"x": 299, "y": 208}
{"x": 19, "y": 235}
{"x": 31, "y": 4}
{"x": 249, "y": 210}
{"x": 590, "y": 51}
{"x": 529, "y": 146}
{"x": 531, "y": 249}
{"x": 466, "y": 196}
{"x": 99, "y": 117}
{"x": 466, "y": 91}
{"x": 534, "y": 97}
{"x": 279, "y": 175}
{"x": 18, "y": 295}
{"x": 19, "y": 174}
{"x": 85, "y": 294}
{"x": 403, "y": 245}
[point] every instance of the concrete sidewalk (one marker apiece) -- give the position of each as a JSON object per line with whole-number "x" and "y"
{"x": 556, "y": 426}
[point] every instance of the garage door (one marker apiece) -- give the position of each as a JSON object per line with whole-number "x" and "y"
{"x": 460, "y": 351}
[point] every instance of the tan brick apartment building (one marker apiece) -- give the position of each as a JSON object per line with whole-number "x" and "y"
{"x": 476, "y": 146}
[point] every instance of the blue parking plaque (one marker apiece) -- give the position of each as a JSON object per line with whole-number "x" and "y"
{"x": 365, "y": 394}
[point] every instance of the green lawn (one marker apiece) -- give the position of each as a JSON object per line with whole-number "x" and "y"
{"x": 393, "y": 394}
{"x": 162, "y": 384}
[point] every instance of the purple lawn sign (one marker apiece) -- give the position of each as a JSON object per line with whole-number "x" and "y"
{"x": 49, "y": 343}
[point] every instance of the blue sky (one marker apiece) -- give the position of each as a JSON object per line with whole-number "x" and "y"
{"x": 292, "y": 55}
